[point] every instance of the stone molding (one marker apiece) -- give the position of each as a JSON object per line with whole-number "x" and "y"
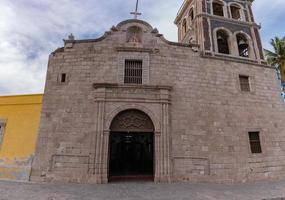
{"x": 153, "y": 117}
{"x": 115, "y": 85}
{"x": 143, "y": 56}
{"x": 229, "y": 20}
{"x": 225, "y": 57}
{"x": 131, "y": 97}
{"x": 136, "y": 49}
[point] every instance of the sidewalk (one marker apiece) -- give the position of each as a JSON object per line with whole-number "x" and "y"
{"x": 142, "y": 191}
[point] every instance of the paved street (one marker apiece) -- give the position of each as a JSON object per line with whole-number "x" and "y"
{"x": 142, "y": 191}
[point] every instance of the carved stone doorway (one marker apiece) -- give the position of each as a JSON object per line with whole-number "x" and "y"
{"x": 131, "y": 154}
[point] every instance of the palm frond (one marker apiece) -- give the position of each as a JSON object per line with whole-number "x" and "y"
{"x": 276, "y": 58}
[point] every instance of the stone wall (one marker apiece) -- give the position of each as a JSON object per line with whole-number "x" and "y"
{"x": 201, "y": 116}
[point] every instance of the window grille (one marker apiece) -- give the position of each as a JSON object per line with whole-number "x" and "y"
{"x": 254, "y": 140}
{"x": 244, "y": 83}
{"x": 133, "y": 72}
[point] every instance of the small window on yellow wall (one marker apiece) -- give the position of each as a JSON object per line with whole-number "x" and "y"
{"x": 2, "y": 126}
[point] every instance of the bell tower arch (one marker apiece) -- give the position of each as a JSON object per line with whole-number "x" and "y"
{"x": 199, "y": 21}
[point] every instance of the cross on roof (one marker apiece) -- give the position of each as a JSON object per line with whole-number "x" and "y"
{"x": 136, "y": 13}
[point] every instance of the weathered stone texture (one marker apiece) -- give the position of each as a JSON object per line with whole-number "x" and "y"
{"x": 200, "y": 115}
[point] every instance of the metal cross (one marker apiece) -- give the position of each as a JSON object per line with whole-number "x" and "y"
{"x": 136, "y": 13}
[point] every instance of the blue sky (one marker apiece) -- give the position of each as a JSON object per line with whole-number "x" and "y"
{"x": 31, "y": 29}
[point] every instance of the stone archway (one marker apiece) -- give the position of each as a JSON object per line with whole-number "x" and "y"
{"x": 131, "y": 146}
{"x": 107, "y": 112}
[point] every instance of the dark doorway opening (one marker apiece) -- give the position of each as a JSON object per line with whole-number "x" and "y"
{"x": 131, "y": 156}
{"x": 131, "y": 142}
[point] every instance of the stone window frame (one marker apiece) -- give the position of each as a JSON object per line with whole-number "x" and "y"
{"x": 3, "y": 124}
{"x": 241, "y": 11}
{"x": 261, "y": 139}
{"x": 134, "y": 72}
{"x": 230, "y": 43}
{"x": 225, "y": 8}
{"x": 248, "y": 83}
{"x": 144, "y": 57}
{"x": 251, "y": 83}
{"x": 67, "y": 77}
{"x": 190, "y": 20}
{"x": 250, "y": 44}
{"x": 184, "y": 27}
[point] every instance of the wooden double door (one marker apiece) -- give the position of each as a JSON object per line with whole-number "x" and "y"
{"x": 131, "y": 156}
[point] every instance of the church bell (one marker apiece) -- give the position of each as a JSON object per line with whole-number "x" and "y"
{"x": 242, "y": 44}
{"x": 220, "y": 38}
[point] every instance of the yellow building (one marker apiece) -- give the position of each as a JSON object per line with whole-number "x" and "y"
{"x": 19, "y": 122}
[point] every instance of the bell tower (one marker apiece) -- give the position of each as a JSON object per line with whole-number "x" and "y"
{"x": 221, "y": 28}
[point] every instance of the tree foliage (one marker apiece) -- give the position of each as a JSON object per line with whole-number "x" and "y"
{"x": 276, "y": 58}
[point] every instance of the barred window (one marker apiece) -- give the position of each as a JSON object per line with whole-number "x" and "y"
{"x": 254, "y": 141}
{"x": 133, "y": 71}
{"x": 244, "y": 83}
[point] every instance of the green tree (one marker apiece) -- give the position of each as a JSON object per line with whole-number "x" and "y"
{"x": 276, "y": 58}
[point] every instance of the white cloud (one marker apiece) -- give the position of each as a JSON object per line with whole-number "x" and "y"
{"x": 31, "y": 29}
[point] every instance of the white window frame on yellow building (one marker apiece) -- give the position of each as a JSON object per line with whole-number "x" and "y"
{"x": 2, "y": 130}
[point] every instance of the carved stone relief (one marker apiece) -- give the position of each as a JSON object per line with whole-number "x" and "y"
{"x": 134, "y": 34}
{"x": 132, "y": 120}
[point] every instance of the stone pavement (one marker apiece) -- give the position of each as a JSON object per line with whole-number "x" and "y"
{"x": 142, "y": 191}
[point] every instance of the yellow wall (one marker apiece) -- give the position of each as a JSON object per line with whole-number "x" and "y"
{"x": 22, "y": 116}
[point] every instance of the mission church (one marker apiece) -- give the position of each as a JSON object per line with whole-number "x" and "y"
{"x": 132, "y": 105}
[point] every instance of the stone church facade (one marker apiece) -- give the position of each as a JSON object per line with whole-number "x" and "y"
{"x": 131, "y": 104}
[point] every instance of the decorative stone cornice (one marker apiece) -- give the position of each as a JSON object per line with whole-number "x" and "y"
{"x": 115, "y": 85}
{"x": 134, "y": 21}
{"x": 235, "y": 59}
{"x": 136, "y": 49}
{"x": 229, "y": 20}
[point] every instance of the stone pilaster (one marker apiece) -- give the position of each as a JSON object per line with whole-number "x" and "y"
{"x": 97, "y": 167}
{"x": 162, "y": 142}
